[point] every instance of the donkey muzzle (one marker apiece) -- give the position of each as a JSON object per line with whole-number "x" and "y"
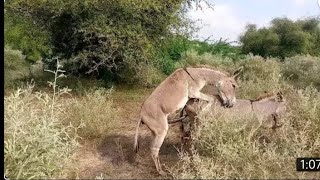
{"x": 227, "y": 104}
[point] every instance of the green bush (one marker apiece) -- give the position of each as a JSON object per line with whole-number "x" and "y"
{"x": 177, "y": 46}
{"x": 302, "y": 71}
{"x": 150, "y": 76}
{"x": 147, "y": 75}
{"x": 222, "y": 48}
{"x": 284, "y": 38}
{"x": 176, "y": 49}
{"x": 21, "y": 33}
{"x": 167, "y": 65}
{"x": 15, "y": 65}
{"x": 192, "y": 58}
{"x": 259, "y": 75}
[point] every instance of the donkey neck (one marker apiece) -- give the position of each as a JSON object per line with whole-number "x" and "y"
{"x": 210, "y": 76}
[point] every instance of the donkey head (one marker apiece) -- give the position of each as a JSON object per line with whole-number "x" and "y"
{"x": 227, "y": 88}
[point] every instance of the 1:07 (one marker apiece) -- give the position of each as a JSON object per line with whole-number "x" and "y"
{"x": 311, "y": 163}
{"x": 308, "y": 164}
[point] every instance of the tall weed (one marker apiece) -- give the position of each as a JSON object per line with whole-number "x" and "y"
{"x": 37, "y": 144}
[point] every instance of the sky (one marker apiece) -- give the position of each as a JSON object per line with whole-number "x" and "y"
{"x": 229, "y": 17}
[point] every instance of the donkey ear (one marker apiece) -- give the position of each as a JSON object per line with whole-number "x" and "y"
{"x": 237, "y": 72}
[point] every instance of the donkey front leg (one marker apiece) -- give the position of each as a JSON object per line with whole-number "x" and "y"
{"x": 202, "y": 96}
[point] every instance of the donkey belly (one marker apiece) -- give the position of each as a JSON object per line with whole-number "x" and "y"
{"x": 173, "y": 106}
{"x": 182, "y": 103}
{"x": 174, "y": 99}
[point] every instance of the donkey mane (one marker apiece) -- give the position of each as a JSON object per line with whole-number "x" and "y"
{"x": 278, "y": 96}
{"x": 264, "y": 96}
{"x": 211, "y": 67}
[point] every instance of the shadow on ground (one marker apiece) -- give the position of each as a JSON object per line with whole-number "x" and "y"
{"x": 117, "y": 151}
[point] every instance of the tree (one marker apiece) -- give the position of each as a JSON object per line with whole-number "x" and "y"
{"x": 22, "y": 34}
{"x": 284, "y": 38}
{"x": 113, "y": 35}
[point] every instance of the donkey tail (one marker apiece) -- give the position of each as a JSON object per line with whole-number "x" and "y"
{"x": 136, "y": 142}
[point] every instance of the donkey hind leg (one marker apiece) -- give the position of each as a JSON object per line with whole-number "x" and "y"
{"x": 158, "y": 139}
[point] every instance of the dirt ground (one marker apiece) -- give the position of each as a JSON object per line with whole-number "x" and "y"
{"x": 113, "y": 156}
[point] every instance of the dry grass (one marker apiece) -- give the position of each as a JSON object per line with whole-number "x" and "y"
{"x": 232, "y": 147}
{"x": 302, "y": 71}
{"x": 229, "y": 146}
{"x": 95, "y": 111}
{"x": 42, "y": 130}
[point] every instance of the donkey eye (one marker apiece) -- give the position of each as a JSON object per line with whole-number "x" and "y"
{"x": 234, "y": 86}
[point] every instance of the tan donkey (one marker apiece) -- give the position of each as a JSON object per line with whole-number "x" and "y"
{"x": 173, "y": 93}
